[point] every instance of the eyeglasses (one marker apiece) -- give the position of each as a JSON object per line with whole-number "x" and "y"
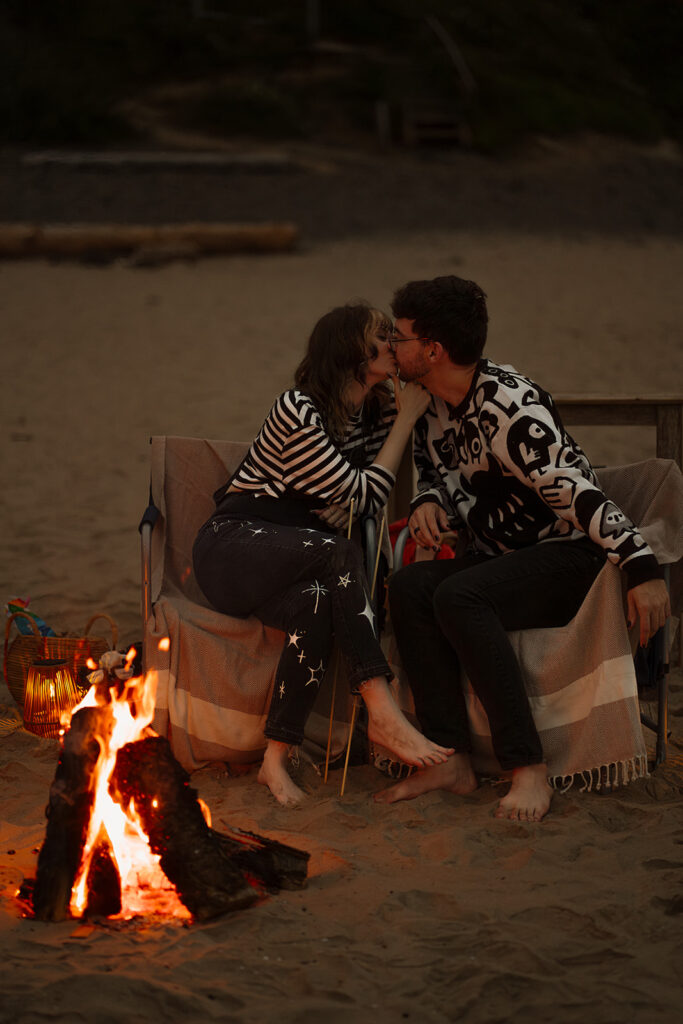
{"x": 395, "y": 339}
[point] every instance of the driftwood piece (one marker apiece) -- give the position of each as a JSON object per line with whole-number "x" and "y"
{"x": 68, "y": 813}
{"x": 207, "y": 869}
{"x": 18, "y": 241}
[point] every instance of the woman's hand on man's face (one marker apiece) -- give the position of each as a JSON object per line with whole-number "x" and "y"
{"x": 413, "y": 400}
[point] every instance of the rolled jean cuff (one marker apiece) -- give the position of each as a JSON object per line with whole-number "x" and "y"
{"x": 360, "y": 675}
{"x": 507, "y": 764}
{"x": 282, "y": 735}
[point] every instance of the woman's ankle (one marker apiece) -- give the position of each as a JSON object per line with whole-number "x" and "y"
{"x": 375, "y": 690}
{"x": 277, "y": 751}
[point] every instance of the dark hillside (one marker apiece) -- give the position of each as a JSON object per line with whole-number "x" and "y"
{"x": 480, "y": 73}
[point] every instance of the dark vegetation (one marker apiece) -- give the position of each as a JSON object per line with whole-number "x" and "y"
{"x": 79, "y": 71}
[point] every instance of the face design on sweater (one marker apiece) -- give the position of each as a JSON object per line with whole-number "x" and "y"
{"x": 447, "y": 449}
{"x": 613, "y": 522}
{"x": 459, "y": 445}
{"x": 529, "y": 442}
{"x": 469, "y": 442}
{"x": 489, "y": 424}
{"x": 505, "y": 510}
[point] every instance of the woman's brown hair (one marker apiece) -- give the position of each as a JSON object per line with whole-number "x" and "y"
{"x": 338, "y": 351}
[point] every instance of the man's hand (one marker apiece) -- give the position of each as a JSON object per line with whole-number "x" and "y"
{"x": 426, "y": 524}
{"x": 335, "y": 516}
{"x": 648, "y": 602}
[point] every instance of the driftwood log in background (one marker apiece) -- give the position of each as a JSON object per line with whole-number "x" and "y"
{"x": 19, "y": 241}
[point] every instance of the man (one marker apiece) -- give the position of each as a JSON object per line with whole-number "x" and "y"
{"x": 494, "y": 459}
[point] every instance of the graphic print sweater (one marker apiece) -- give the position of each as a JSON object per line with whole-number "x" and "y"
{"x": 502, "y": 465}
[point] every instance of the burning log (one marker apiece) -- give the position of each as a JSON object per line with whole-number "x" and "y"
{"x": 121, "y": 808}
{"x": 208, "y": 869}
{"x": 68, "y": 813}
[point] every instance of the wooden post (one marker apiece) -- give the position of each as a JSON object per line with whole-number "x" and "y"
{"x": 670, "y": 432}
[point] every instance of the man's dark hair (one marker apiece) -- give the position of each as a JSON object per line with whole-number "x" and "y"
{"x": 449, "y": 310}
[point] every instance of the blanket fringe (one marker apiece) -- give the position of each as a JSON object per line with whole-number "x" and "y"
{"x": 605, "y": 776}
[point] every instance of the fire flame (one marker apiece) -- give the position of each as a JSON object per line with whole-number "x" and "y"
{"x": 144, "y": 886}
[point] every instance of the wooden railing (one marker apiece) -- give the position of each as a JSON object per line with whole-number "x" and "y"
{"x": 665, "y": 412}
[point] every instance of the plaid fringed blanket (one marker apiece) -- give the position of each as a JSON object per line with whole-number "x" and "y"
{"x": 580, "y": 678}
{"x": 215, "y": 680}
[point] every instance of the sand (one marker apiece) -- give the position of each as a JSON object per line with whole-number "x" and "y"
{"x": 428, "y": 911}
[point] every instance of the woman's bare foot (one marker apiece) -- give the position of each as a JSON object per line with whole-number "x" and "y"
{"x": 388, "y": 726}
{"x": 454, "y": 775}
{"x": 273, "y": 774}
{"x": 529, "y": 796}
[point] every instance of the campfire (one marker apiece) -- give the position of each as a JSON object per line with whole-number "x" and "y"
{"x": 126, "y": 834}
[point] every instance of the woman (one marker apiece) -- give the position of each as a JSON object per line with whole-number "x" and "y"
{"x": 270, "y": 550}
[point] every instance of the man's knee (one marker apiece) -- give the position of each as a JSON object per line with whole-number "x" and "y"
{"x": 409, "y": 586}
{"x": 456, "y": 600}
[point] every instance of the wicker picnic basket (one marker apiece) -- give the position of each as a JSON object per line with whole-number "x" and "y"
{"x": 24, "y": 650}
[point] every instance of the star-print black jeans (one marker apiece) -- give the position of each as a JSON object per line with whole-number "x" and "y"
{"x": 456, "y": 612}
{"x": 306, "y": 582}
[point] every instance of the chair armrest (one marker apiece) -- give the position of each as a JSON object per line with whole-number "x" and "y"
{"x": 149, "y": 518}
{"x": 399, "y": 548}
{"x": 370, "y": 531}
{"x": 146, "y": 572}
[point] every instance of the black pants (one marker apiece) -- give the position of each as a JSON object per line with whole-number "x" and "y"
{"x": 457, "y": 612}
{"x": 306, "y": 582}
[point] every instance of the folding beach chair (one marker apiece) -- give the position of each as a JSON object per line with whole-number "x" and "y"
{"x": 581, "y": 678}
{"x": 216, "y": 677}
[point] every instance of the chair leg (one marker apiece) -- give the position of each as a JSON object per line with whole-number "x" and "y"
{"x": 662, "y": 717}
{"x": 663, "y": 688}
{"x": 348, "y": 745}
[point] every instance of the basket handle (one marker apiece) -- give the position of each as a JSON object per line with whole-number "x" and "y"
{"x": 10, "y": 620}
{"x": 112, "y": 624}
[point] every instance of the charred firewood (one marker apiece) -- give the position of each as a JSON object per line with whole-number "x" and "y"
{"x": 147, "y": 775}
{"x": 103, "y": 884}
{"x": 275, "y": 865}
{"x": 207, "y": 868}
{"x": 68, "y": 813}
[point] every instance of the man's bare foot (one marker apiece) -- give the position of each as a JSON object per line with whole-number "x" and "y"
{"x": 529, "y": 796}
{"x": 388, "y": 726}
{"x": 273, "y": 774}
{"x": 454, "y": 775}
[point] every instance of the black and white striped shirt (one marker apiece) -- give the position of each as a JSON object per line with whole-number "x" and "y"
{"x": 293, "y": 452}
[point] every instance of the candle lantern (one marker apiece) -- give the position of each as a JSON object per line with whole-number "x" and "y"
{"x": 50, "y": 690}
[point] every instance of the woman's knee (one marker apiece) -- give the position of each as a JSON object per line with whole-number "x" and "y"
{"x": 346, "y": 556}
